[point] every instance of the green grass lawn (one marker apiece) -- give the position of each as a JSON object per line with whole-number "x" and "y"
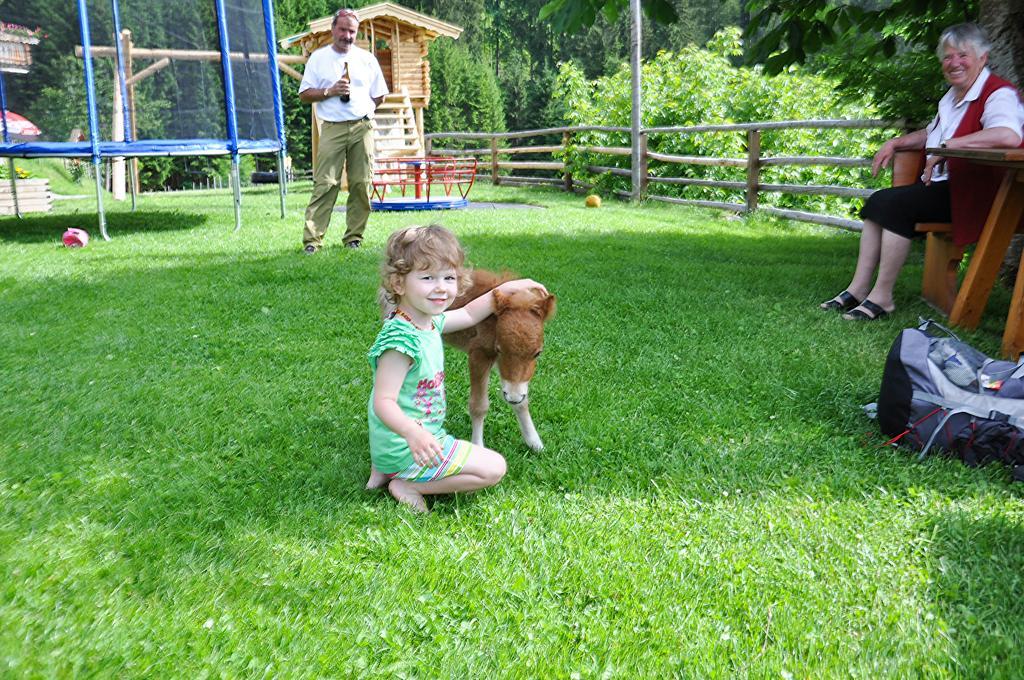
{"x": 183, "y": 447}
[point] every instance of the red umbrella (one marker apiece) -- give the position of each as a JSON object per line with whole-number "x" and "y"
{"x": 20, "y": 129}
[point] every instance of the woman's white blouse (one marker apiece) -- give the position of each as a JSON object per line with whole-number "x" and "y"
{"x": 1002, "y": 109}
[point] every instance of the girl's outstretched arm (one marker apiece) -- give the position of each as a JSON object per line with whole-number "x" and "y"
{"x": 482, "y": 307}
{"x": 392, "y": 367}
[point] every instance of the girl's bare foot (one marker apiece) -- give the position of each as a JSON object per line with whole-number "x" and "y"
{"x": 377, "y": 480}
{"x": 406, "y": 494}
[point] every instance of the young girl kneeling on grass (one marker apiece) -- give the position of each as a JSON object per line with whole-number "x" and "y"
{"x": 410, "y": 451}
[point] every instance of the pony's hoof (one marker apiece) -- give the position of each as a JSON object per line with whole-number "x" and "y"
{"x": 535, "y": 444}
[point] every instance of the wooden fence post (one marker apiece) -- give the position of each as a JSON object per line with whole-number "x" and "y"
{"x": 753, "y": 167}
{"x": 643, "y": 165}
{"x": 567, "y": 175}
{"x": 428, "y": 146}
{"x": 494, "y": 161}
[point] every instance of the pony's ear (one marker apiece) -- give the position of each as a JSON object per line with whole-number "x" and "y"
{"x": 501, "y": 301}
{"x": 545, "y": 307}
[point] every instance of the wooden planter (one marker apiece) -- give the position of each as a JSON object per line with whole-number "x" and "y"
{"x": 33, "y": 196}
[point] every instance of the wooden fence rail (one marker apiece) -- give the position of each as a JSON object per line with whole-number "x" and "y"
{"x": 752, "y": 187}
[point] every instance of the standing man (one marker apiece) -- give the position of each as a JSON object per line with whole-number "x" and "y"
{"x": 346, "y": 85}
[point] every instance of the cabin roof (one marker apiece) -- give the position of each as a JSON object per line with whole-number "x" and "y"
{"x": 434, "y": 28}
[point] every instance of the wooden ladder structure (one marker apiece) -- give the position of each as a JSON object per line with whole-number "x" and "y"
{"x": 397, "y": 132}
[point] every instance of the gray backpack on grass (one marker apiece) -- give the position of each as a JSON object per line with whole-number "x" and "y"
{"x": 940, "y": 394}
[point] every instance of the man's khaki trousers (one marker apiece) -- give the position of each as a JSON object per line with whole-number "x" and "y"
{"x": 351, "y": 143}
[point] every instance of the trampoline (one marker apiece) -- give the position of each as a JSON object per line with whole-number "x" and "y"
{"x": 208, "y": 86}
{"x": 427, "y": 183}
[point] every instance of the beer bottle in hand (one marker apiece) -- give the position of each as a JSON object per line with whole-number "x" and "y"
{"x": 346, "y": 78}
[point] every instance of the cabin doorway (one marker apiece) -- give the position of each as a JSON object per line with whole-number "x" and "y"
{"x": 383, "y": 55}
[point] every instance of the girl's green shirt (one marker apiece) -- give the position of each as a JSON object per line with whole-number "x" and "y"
{"x": 422, "y": 396}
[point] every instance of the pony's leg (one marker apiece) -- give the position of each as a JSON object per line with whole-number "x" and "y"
{"x": 517, "y": 396}
{"x": 526, "y": 427}
{"x": 479, "y": 379}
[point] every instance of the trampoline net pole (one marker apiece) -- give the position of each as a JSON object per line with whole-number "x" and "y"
{"x": 281, "y": 180}
{"x": 94, "y": 126}
{"x": 97, "y": 168}
{"x": 131, "y": 182}
{"x": 14, "y": 185}
{"x": 5, "y": 138}
{"x": 275, "y": 84}
{"x": 237, "y": 187}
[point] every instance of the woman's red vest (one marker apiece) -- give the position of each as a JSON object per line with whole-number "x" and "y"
{"x": 972, "y": 186}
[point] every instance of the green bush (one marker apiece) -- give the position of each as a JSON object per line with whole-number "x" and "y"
{"x": 702, "y": 87}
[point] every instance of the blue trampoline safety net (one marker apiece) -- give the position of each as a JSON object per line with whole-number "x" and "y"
{"x": 158, "y": 78}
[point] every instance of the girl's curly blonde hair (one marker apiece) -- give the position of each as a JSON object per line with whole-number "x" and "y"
{"x": 415, "y": 248}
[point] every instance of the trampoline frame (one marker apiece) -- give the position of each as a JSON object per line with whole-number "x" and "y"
{"x": 98, "y": 150}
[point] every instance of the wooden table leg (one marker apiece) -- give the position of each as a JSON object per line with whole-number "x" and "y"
{"x": 1013, "y": 336}
{"x": 985, "y": 262}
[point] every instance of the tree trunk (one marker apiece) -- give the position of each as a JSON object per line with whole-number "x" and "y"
{"x": 1003, "y": 20}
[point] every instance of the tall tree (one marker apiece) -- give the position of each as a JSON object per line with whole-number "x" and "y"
{"x": 572, "y": 15}
{"x": 871, "y": 47}
{"x": 784, "y": 32}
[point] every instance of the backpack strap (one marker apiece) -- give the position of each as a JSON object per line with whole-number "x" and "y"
{"x": 935, "y": 433}
{"x": 924, "y": 324}
{"x": 971, "y": 409}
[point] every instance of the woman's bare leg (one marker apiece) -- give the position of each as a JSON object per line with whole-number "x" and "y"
{"x": 871, "y": 241}
{"x": 868, "y": 256}
{"x": 894, "y": 252}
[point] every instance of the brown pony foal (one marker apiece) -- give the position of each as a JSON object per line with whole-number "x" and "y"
{"x": 513, "y": 337}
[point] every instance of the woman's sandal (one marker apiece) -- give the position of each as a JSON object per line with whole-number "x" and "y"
{"x": 843, "y": 302}
{"x": 859, "y": 314}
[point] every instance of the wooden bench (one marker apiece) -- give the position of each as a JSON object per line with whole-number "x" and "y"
{"x": 941, "y": 256}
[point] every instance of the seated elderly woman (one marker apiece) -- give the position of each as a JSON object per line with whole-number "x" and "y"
{"x": 980, "y": 110}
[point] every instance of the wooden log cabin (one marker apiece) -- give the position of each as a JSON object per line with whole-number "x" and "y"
{"x": 16, "y": 48}
{"x": 400, "y": 38}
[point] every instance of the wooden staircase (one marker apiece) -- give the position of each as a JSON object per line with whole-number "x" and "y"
{"x": 396, "y": 133}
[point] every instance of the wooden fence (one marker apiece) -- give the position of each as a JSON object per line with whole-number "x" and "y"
{"x": 491, "y": 157}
